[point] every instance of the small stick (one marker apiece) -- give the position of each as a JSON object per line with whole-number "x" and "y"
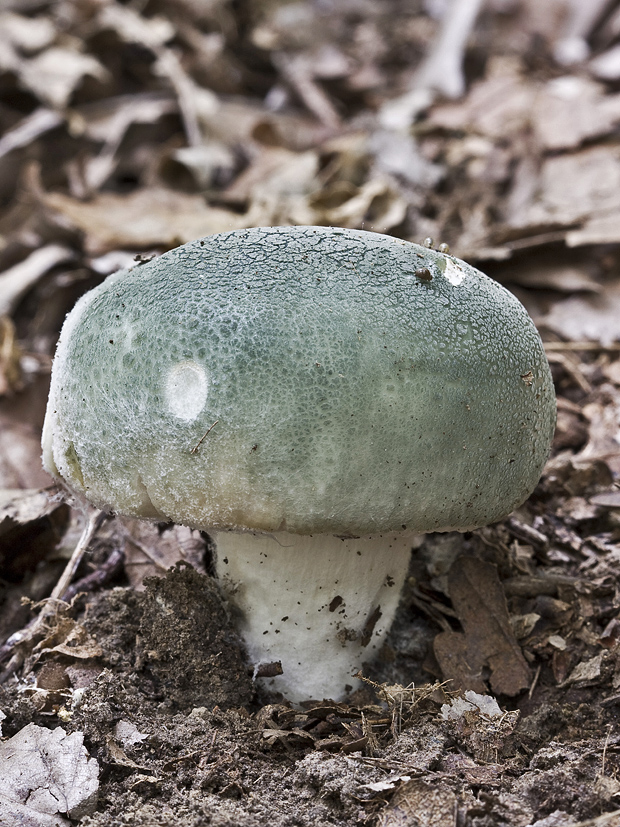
{"x": 440, "y": 72}
{"x": 299, "y": 74}
{"x": 96, "y": 578}
{"x": 605, "y": 750}
{"x": 200, "y": 441}
{"x": 534, "y": 681}
{"x": 31, "y": 629}
{"x": 93, "y": 525}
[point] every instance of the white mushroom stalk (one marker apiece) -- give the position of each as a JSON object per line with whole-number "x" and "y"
{"x": 317, "y": 606}
{"x": 284, "y": 388}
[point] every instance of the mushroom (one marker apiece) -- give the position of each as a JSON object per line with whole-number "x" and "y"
{"x": 311, "y": 398}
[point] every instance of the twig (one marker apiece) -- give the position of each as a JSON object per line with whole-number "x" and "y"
{"x": 185, "y": 89}
{"x": 527, "y": 533}
{"x": 442, "y": 69}
{"x": 298, "y": 73}
{"x": 534, "y": 681}
{"x": 202, "y": 439}
{"x": 605, "y": 750}
{"x": 96, "y": 578}
{"x": 572, "y": 47}
{"x": 94, "y": 523}
{"x": 36, "y": 624}
{"x": 33, "y": 126}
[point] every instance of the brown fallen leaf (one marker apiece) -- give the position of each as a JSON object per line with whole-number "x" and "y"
{"x": 118, "y": 756}
{"x": 423, "y": 804}
{"x": 20, "y": 453}
{"x": 55, "y": 74}
{"x": 69, "y": 638}
{"x": 478, "y": 724}
{"x": 149, "y": 217}
{"x": 150, "y": 552}
{"x": 564, "y": 278}
{"x": 498, "y": 106}
{"x": 571, "y": 109}
{"x": 28, "y": 34}
{"x": 603, "y": 418}
{"x": 276, "y": 171}
{"x": 39, "y": 122}
{"x": 108, "y": 122}
{"x": 31, "y": 524}
{"x": 592, "y": 318}
{"x": 575, "y": 189}
{"x": 487, "y": 642}
{"x": 587, "y": 670}
{"x": 376, "y": 205}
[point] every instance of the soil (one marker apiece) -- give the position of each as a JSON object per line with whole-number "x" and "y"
{"x": 169, "y": 711}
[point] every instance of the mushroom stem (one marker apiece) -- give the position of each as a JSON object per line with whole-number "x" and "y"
{"x": 320, "y": 605}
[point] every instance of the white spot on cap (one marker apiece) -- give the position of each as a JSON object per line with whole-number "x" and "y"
{"x": 186, "y": 389}
{"x": 453, "y": 272}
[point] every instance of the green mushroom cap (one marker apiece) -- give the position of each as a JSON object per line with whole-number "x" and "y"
{"x": 301, "y": 379}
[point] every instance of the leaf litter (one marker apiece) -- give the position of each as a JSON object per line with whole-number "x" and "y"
{"x": 126, "y": 129}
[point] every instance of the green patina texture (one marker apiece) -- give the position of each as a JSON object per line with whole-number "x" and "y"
{"x": 350, "y": 396}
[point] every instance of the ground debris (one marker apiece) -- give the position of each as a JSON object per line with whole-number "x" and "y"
{"x": 488, "y": 640}
{"x": 46, "y": 773}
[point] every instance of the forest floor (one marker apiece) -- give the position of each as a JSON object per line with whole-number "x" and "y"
{"x": 129, "y": 128}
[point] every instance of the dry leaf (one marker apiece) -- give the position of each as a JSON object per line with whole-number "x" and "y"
{"x": 398, "y": 154}
{"x": 150, "y": 552}
{"x": 18, "y": 508}
{"x": 244, "y": 123}
{"x": 277, "y": 172}
{"x": 570, "y": 189}
{"x": 132, "y": 27}
{"x": 488, "y": 640}
{"x": 150, "y": 217}
{"x": 55, "y": 74}
{"x": 20, "y": 450}
{"x": 590, "y": 318}
{"x": 28, "y": 34}
{"x": 477, "y": 722}
{"x": 570, "y": 110}
{"x": 564, "y": 278}
{"x": 67, "y": 637}
{"x": 499, "y": 106}
{"x": 606, "y": 66}
{"x": 376, "y": 205}
{"x": 207, "y": 164}
{"x": 603, "y": 443}
{"x": 588, "y": 670}
{"x": 45, "y": 773}
{"x": 109, "y": 120}
{"x": 127, "y": 734}
{"x": 597, "y": 229}
{"x": 421, "y": 804}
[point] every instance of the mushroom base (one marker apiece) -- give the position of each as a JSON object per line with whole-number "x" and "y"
{"x": 318, "y": 605}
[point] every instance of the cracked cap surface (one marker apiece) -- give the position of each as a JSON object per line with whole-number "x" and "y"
{"x": 301, "y": 379}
